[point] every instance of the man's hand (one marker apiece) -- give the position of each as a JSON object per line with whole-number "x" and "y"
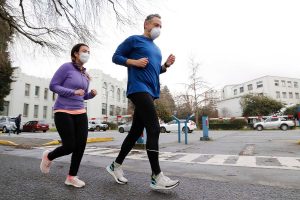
{"x": 170, "y": 61}
{"x": 142, "y": 62}
{"x": 79, "y": 92}
{"x": 94, "y": 92}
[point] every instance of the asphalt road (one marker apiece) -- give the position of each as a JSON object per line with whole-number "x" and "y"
{"x": 21, "y": 179}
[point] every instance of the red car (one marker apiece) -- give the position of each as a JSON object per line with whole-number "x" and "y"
{"x": 33, "y": 126}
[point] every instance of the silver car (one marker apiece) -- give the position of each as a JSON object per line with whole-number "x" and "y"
{"x": 124, "y": 127}
{"x": 7, "y": 124}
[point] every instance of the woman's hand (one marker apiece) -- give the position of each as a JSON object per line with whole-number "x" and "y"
{"x": 79, "y": 92}
{"x": 94, "y": 92}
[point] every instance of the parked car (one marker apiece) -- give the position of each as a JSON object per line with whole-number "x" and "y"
{"x": 35, "y": 125}
{"x": 274, "y": 122}
{"x": 97, "y": 126}
{"x": 7, "y": 124}
{"x": 124, "y": 127}
{"x": 173, "y": 126}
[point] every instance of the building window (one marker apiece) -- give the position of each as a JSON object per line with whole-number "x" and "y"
{"x": 53, "y": 96}
{"x": 124, "y": 96}
{"x": 290, "y": 95}
{"x": 118, "y": 111}
{"x": 297, "y": 95}
{"x": 27, "y": 90}
{"x": 112, "y": 91}
{"x": 46, "y": 93}
{"x": 119, "y": 95}
{"x": 4, "y": 112}
{"x": 284, "y": 95}
{"x": 250, "y": 87}
{"x": 36, "y": 111}
{"x": 289, "y": 83}
{"x": 278, "y": 95}
{"x": 295, "y": 84}
{"x": 241, "y": 89}
{"x": 25, "y": 110}
{"x": 259, "y": 84}
{"x": 37, "y": 91}
{"x": 283, "y": 83}
{"x": 111, "y": 110}
{"x": 276, "y": 82}
{"x": 235, "y": 91}
{"x": 52, "y": 113}
{"x": 104, "y": 108}
{"x": 45, "y": 112}
{"x": 105, "y": 89}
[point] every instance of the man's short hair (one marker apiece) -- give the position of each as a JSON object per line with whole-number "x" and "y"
{"x": 149, "y": 17}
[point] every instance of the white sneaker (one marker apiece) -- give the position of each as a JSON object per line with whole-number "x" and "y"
{"x": 46, "y": 163}
{"x": 162, "y": 182}
{"x": 74, "y": 181}
{"x": 117, "y": 173}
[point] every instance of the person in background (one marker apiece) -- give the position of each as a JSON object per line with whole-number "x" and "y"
{"x": 18, "y": 124}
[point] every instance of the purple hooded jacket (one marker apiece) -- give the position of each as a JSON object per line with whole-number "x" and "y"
{"x": 65, "y": 81}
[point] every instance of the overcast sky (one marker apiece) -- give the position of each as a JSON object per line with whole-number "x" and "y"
{"x": 234, "y": 40}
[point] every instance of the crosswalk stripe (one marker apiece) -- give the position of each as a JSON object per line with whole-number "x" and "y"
{"x": 268, "y": 162}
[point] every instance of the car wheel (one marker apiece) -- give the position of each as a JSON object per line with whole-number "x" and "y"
{"x": 44, "y": 131}
{"x": 4, "y": 130}
{"x": 259, "y": 128}
{"x": 163, "y": 129}
{"x": 104, "y": 129}
{"x": 183, "y": 129}
{"x": 98, "y": 128}
{"x": 121, "y": 130}
{"x": 284, "y": 127}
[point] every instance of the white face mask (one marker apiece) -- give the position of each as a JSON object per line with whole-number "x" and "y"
{"x": 154, "y": 33}
{"x": 84, "y": 57}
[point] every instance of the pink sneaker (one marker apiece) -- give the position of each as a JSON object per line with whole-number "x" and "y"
{"x": 74, "y": 181}
{"x": 46, "y": 163}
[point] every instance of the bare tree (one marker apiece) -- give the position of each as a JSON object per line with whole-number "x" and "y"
{"x": 196, "y": 89}
{"x": 53, "y": 23}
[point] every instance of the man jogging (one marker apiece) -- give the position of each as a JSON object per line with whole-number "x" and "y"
{"x": 143, "y": 61}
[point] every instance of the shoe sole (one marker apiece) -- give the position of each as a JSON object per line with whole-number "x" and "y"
{"x": 41, "y": 166}
{"x": 70, "y": 184}
{"x": 113, "y": 175}
{"x": 163, "y": 188}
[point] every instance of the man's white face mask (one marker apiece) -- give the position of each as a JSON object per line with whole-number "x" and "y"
{"x": 84, "y": 57}
{"x": 154, "y": 33}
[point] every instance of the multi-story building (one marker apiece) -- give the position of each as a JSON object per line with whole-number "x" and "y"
{"x": 31, "y": 97}
{"x": 283, "y": 89}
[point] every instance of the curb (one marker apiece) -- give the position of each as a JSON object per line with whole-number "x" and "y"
{"x": 57, "y": 142}
{"x": 7, "y": 143}
{"x": 89, "y": 140}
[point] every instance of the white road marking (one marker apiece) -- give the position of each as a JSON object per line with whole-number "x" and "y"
{"x": 289, "y": 163}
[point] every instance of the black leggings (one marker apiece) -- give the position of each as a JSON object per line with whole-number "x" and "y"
{"x": 73, "y": 131}
{"x": 144, "y": 116}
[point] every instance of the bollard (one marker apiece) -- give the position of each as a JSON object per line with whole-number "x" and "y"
{"x": 179, "y": 130}
{"x": 205, "y": 127}
{"x": 141, "y": 142}
{"x": 185, "y": 128}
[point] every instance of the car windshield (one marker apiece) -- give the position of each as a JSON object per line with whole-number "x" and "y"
{"x": 12, "y": 119}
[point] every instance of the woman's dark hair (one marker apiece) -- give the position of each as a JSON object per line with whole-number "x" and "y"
{"x": 75, "y": 49}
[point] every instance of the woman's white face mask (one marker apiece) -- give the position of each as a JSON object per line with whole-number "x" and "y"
{"x": 154, "y": 33}
{"x": 84, "y": 57}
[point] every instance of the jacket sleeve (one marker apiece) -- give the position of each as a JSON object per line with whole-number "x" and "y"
{"x": 163, "y": 69}
{"x": 122, "y": 52}
{"x": 57, "y": 81}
